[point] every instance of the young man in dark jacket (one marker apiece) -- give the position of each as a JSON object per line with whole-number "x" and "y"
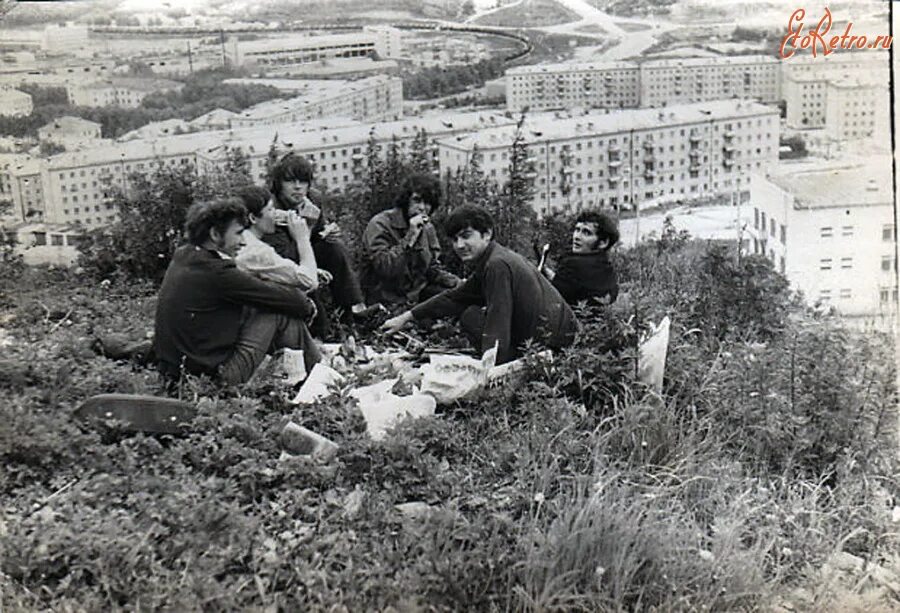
{"x": 401, "y": 250}
{"x": 586, "y": 272}
{"x": 505, "y": 300}
{"x": 215, "y": 319}
{"x": 290, "y": 183}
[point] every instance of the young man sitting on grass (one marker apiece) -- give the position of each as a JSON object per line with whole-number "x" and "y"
{"x": 291, "y": 179}
{"x": 213, "y": 318}
{"x": 504, "y": 300}
{"x": 401, "y": 250}
{"x": 586, "y": 272}
{"x": 260, "y": 258}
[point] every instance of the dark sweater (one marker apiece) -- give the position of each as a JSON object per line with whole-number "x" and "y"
{"x": 520, "y": 304}
{"x": 586, "y": 275}
{"x": 200, "y": 306}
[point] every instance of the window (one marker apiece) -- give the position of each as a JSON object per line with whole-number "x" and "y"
{"x": 847, "y": 231}
{"x": 783, "y": 234}
{"x": 56, "y": 240}
{"x": 887, "y": 232}
{"x": 825, "y": 264}
{"x": 846, "y": 263}
{"x": 888, "y": 262}
{"x": 826, "y": 231}
{"x": 845, "y": 294}
{"x": 825, "y": 295}
{"x": 756, "y": 218}
{"x": 885, "y": 295}
{"x": 772, "y": 227}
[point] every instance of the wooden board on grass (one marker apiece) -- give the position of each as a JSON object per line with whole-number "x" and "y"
{"x": 138, "y": 412}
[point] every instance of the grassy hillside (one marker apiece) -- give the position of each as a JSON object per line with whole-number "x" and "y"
{"x": 567, "y": 488}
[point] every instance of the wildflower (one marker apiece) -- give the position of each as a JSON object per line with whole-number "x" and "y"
{"x": 706, "y": 555}
{"x": 539, "y": 497}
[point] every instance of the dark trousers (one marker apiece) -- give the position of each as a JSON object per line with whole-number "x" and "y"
{"x": 471, "y": 321}
{"x": 334, "y": 257}
{"x": 262, "y": 333}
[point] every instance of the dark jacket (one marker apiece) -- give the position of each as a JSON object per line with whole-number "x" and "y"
{"x": 520, "y": 304}
{"x": 394, "y": 273}
{"x": 201, "y": 302}
{"x": 586, "y": 275}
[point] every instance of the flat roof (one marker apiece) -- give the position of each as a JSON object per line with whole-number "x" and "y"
{"x": 321, "y": 91}
{"x": 257, "y": 140}
{"x": 863, "y": 182}
{"x": 550, "y": 126}
{"x": 654, "y": 63}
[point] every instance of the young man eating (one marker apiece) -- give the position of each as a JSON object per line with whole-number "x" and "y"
{"x": 213, "y": 318}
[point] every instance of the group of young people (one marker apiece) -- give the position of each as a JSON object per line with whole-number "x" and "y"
{"x": 250, "y": 279}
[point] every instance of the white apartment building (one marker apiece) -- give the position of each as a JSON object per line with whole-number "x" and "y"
{"x": 378, "y": 98}
{"x": 20, "y": 182}
{"x": 117, "y": 91}
{"x": 681, "y": 81}
{"x": 14, "y": 103}
{"x": 553, "y": 86}
{"x": 857, "y": 108}
{"x": 70, "y": 186}
{"x": 805, "y": 96}
{"x": 631, "y": 157}
{"x": 830, "y": 230}
{"x": 818, "y": 93}
{"x": 648, "y": 84}
{"x": 70, "y": 132}
{"x": 283, "y": 52}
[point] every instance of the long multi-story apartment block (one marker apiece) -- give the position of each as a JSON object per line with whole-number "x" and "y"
{"x": 831, "y": 231}
{"x": 631, "y": 157}
{"x": 72, "y": 187}
{"x": 648, "y": 84}
{"x": 378, "y": 98}
{"x": 680, "y": 81}
{"x": 278, "y": 53}
{"x": 118, "y": 91}
{"x": 603, "y": 85}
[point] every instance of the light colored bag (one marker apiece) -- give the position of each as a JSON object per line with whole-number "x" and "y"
{"x": 652, "y": 356}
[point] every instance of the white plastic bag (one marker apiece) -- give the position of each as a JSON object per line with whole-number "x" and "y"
{"x": 451, "y": 377}
{"x": 652, "y": 356}
{"x": 316, "y": 385}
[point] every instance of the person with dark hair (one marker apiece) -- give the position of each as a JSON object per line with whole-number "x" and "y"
{"x": 586, "y": 273}
{"x": 505, "y": 300}
{"x": 213, "y": 318}
{"x": 290, "y": 183}
{"x": 260, "y": 258}
{"x": 401, "y": 250}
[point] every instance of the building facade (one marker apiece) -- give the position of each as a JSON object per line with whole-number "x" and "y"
{"x": 831, "y": 232}
{"x": 378, "y": 98}
{"x": 118, "y": 91}
{"x": 279, "y": 53}
{"x": 73, "y": 188}
{"x": 631, "y": 158}
{"x": 597, "y": 85}
{"x": 648, "y": 84}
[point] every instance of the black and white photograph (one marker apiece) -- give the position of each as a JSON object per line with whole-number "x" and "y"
{"x": 449, "y": 305}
